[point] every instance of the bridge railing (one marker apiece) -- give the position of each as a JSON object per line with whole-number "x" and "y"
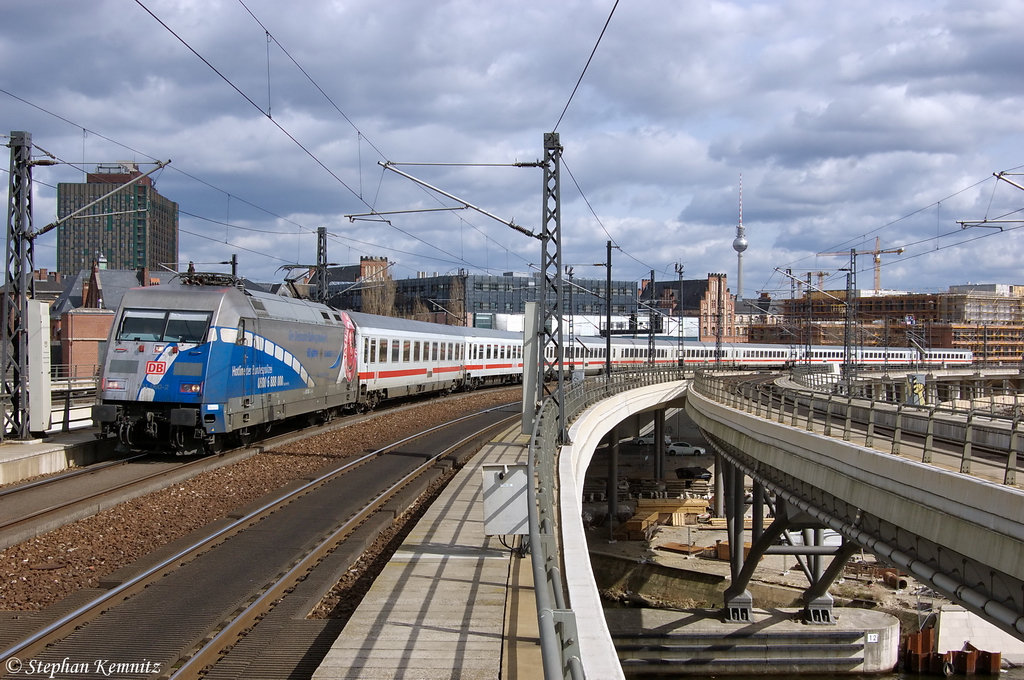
{"x": 835, "y": 415}
{"x": 558, "y": 632}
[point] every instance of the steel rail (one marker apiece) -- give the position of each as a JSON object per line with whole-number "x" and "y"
{"x": 96, "y": 467}
{"x": 67, "y": 623}
{"x": 213, "y": 649}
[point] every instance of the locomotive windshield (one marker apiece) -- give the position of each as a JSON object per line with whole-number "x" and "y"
{"x": 150, "y": 325}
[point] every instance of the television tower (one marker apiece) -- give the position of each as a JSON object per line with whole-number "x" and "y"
{"x": 739, "y": 245}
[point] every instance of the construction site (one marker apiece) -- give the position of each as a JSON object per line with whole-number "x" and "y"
{"x": 987, "y": 319}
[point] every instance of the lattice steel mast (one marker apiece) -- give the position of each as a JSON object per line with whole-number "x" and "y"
{"x": 551, "y": 349}
{"x": 20, "y": 261}
{"x": 18, "y": 279}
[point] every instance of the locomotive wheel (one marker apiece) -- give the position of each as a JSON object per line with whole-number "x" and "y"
{"x": 214, "y": 446}
{"x": 245, "y": 437}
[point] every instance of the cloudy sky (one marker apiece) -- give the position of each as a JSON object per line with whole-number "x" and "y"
{"x": 848, "y": 121}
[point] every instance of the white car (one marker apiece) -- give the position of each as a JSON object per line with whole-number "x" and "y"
{"x": 684, "y": 449}
{"x": 648, "y": 440}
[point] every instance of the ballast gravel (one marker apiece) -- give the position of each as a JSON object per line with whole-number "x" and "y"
{"x": 52, "y": 566}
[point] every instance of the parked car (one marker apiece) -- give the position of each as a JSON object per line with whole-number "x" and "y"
{"x": 684, "y": 449}
{"x": 693, "y": 473}
{"x": 648, "y": 439}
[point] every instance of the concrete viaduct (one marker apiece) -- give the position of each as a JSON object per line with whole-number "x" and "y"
{"x": 927, "y": 488}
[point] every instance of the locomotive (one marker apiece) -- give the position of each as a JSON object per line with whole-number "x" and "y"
{"x": 202, "y": 363}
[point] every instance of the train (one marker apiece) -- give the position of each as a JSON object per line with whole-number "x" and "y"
{"x": 202, "y": 363}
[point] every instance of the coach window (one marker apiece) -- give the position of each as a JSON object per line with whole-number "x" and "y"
{"x": 383, "y": 351}
{"x": 373, "y": 350}
{"x": 366, "y": 350}
{"x": 433, "y": 351}
{"x": 416, "y": 350}
{"x": 406, "y": 345}
{"x": 394, "y": 351}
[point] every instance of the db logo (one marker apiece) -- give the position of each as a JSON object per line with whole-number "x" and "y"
{"x": 156, "y": 367}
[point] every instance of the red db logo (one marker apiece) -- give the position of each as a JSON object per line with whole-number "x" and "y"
{"x": 156, "y": 367}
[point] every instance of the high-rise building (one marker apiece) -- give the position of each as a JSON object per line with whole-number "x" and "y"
{"x": 134, "y": 228}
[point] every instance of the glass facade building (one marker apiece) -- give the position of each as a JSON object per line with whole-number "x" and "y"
{"x": 135, "y": 228}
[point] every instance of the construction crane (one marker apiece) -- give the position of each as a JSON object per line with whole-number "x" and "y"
{"x": 876, "y": 254}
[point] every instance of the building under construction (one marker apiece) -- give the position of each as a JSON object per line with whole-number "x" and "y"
{"x": 988, "y": 320}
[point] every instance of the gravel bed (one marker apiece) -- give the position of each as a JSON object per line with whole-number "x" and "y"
{"x": 52, "y": 566}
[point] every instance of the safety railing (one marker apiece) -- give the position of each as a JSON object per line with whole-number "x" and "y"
{"x": 558, "y": 632}
{"x": 835, "y": 416}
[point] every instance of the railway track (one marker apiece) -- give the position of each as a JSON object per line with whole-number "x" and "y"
{"x": 30, "y": 509}
{"x": 177, "y": 614}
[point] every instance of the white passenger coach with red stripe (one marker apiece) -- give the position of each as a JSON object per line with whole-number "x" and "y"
{"x": 398, "y": 357}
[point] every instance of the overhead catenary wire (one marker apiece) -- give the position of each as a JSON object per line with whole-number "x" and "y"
{"x": 863, "y": 237}
{"x": 85, "y": 130}
{"x": 286, "y": 132}
{"x": 587, "y": 66}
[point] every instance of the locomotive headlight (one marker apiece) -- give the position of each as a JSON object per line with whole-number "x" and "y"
{"x": 191, "y": 388}
{"x": 113, "y": 384}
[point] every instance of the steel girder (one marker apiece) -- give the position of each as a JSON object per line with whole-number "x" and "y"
{"x": 994, "y": 595}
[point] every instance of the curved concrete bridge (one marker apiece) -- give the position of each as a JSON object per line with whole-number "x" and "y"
{"x": 907, "y": 496}
{"x": 909, "y": 501}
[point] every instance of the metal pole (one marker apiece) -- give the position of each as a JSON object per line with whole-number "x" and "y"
{"x": 20, "y": 262}
{"x": 320, "y": 278}
{"x": 613, "y": 481}
{"x": 608, "y": 317}
{"x": 650, "y": 325}
{"x": 720, "y": 317}
{"x": 679, "y": 306}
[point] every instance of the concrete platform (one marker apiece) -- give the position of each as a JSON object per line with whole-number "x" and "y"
{"x": 24, "y": 459}
{"x": 451, "y": 602}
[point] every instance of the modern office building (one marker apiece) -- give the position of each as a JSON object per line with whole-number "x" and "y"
{"x": 135, "y": 228}
{"x": 478, "y": 299}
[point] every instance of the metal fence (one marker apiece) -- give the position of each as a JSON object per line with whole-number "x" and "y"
{"x": 960, "y": 422}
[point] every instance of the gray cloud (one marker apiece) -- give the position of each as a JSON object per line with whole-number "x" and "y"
{"x": 848, "y": 121}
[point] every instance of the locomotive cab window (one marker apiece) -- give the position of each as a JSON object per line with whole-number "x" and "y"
{"x": 147, "y": 325}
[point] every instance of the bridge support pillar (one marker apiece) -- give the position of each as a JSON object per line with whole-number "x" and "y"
{"x": 739, "y": 608}
{"x": 613, "y": 481}
{"x": 817, "y": 601}
{"x": 739, "y": 603}
{"x": 819, "y": 610}
{"x": 659, "y": 444}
